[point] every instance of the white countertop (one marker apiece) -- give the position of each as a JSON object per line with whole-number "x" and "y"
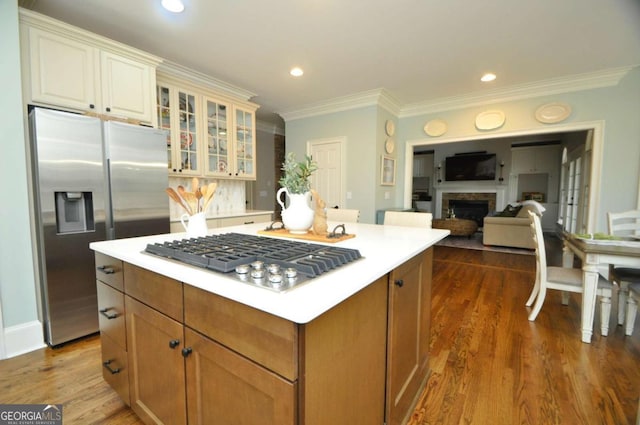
{"x": 383, "y": 248}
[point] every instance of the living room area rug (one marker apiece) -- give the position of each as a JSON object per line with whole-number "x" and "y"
{"x": 475, "y": 242}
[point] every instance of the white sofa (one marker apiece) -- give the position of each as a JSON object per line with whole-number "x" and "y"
{"x": 513, "y": 232}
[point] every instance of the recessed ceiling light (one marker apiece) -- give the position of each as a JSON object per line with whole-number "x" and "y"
{"x": 296, "y": 72}
{"x": 489, "y": 76}
{"x": 175, "y": 6}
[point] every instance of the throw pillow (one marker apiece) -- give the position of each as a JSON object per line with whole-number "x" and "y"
{"x": 510, "y": 211}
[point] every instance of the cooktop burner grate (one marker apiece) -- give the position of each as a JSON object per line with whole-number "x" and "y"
{"x": 244, "y": 254}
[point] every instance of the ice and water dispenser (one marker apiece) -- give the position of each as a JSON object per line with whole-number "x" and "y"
{"x": 74, "y": 212}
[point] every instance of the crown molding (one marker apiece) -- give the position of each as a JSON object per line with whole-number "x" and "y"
{"x": 382, "y": 98}
{"x": 572, "y": 83}
{"x": 269, "y": 127}
{"x": 201, "y": 79}
{"x": 43, "y": 22}
{"x": 376, "y": 97}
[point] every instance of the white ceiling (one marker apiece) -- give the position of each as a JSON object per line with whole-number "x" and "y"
{"x": 418, "y": 50}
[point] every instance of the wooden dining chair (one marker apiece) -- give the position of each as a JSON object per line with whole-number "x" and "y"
{"x": 563, "y": 279}
{"x": 343, "y": 215}
{"x": 625, "y": 223}
{"x": 408, "y": 219}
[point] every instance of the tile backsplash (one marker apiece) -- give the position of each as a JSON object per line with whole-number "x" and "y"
{"x": 229, "y": 197}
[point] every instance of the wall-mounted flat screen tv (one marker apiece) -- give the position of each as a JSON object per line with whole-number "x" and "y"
{"x": 470, "y": 166}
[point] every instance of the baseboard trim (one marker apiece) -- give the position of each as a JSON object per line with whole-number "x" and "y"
{"x": 23, "y": 338}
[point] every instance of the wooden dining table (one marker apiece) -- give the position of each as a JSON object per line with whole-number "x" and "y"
{"x": 594, "y": 253}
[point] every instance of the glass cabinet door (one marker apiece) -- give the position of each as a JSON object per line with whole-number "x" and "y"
{"x": 177, "y": 114}
{"x": 207, "y": 137}
{"x": 187, "y": 134}
{"x": 164, "y": 121}
{"x": 244, "y": 144}
{"x": 218, "y": 146}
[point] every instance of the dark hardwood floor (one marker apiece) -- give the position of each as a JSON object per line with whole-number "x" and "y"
{"x": 489, "y": 364}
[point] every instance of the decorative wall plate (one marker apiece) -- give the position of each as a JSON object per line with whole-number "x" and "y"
{"x": 551, "y": 113}
{"x": 390, "y": 128}
{"x": 435, "y": 128}
{"x": 490, "y": 120}
{"x": 389, "y": 145}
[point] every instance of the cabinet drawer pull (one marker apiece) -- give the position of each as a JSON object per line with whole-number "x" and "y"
{"x": 109, "y": 316}
{"x": 105, "y": 269}
{"x": 186, "y": 351}
{"x": 174, "y": 343}
{"x": 108, "y": 109}
{"x": 249, "y": 222}
{"x": 399, "y": 283}
{"x": 108, "y": 367}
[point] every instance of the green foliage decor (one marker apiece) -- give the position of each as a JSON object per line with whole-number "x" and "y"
{"x": 296, "y": 174}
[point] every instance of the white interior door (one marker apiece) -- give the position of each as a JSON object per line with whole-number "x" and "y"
{"x": 328, "y": 180}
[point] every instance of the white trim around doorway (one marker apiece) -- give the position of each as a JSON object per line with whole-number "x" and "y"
{"x": 596, "y": 158}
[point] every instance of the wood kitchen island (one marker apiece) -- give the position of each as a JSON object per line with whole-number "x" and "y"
{"x": 182, "y": 344}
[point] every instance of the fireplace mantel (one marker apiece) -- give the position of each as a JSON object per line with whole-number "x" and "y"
{"x": 499, "y": 192}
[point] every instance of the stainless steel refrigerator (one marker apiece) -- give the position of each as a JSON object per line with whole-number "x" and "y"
{"x": 92, "y": 181}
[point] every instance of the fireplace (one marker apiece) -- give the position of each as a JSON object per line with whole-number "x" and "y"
{"x": 470, "y": 210}
{"x": 469, "y": 205}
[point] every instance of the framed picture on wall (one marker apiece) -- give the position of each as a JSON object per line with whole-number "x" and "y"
{"x": 387, "y": 171}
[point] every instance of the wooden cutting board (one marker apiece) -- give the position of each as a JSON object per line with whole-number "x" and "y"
{"x": 309, "y": 236}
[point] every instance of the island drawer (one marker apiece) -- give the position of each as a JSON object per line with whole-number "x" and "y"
{"x": 109, "y": 271}
{"x": 111, "y": 313}
{"x": 266, "y": 339}
{"x": 159, "y": 292}
{"x": 115, "y": 368}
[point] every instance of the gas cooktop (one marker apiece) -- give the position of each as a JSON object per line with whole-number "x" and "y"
{"x": 270, "y": 263}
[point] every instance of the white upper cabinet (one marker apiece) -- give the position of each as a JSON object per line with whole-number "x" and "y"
{"x": 210, "y": 134}
{"x": 178, "y": 112}
{"x": 62, "y": 71}
{"x": 245, "y": 146}
{"x": 218, "y": 124}
{"x": 543, "y": 159}
{"x": 230, "y": 132}
{"x": 127, "y": 87}
{"x": 72, "y": 69}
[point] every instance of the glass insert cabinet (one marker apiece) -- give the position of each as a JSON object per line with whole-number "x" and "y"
{"x": 207, "y": 137}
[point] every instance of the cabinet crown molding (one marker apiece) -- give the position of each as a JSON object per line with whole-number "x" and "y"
{"x": 180, "y": 74}
{"x": 38, "y": 20}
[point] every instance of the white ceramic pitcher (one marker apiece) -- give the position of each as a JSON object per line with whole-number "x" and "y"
{"x": 195, "y": 226}
{"x": 298, "y": 216}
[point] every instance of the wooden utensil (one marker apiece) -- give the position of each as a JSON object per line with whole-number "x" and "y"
{"x": 173, "y": 195}
{"x": 195, "y": 187}
{"x": 183, "y": 193}
{"x": 191, "y": 199}
{"x": 211, "y": 189}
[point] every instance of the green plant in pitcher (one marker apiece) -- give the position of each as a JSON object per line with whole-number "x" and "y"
{"x": 297, "y": 174}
